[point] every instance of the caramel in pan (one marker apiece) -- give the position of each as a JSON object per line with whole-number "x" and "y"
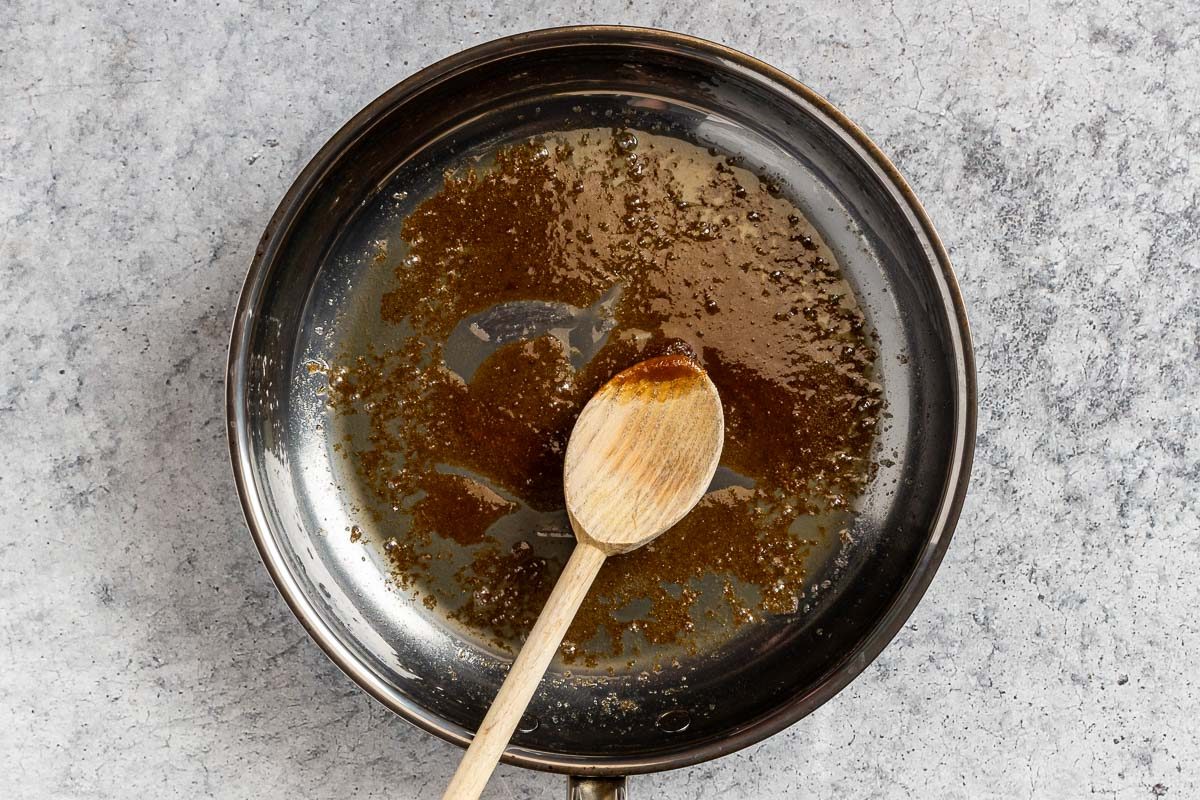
{"x": 626, "y": 245}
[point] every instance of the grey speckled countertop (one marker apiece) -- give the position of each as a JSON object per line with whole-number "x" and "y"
{"x": 143, "y": 649}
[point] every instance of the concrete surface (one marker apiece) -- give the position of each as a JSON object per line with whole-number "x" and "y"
{"x": 143, "y": 649}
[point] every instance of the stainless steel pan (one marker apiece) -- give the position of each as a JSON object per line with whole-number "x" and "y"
{"x": 309, "y": 293}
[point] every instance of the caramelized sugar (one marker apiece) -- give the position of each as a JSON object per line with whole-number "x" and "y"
{"x": 635, "y": 245}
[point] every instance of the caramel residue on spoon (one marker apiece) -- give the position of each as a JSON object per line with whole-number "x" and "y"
{"x": 660, "y": 377}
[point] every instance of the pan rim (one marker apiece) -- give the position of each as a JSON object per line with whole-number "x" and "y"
{"x": 856, "y": 660}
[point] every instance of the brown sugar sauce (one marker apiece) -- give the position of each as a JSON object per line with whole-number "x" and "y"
{"x": 521, "y": 287}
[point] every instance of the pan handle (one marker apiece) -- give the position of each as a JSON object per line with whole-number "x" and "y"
{"x": 579, "y": 788}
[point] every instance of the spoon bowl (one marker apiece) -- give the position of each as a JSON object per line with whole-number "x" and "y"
{"x": 642, "y": 453}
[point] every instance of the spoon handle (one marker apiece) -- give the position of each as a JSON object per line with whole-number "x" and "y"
{"x": 526, "y": 673}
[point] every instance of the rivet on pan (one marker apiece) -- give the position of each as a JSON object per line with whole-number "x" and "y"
{"x": 675, "y": 721}
{"x": 528, "y": 724}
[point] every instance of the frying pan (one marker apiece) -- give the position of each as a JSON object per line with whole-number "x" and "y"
{"x": 311, "y": 294}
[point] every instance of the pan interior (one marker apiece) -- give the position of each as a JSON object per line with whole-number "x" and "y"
{"x": 320, "y": 298}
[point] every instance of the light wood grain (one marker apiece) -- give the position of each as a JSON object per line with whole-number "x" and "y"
{"x": 526, "y": 673}
{"x": 641, "y": 455}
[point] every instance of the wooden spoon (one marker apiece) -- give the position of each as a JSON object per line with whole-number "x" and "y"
{"x": 641, "y": 455}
